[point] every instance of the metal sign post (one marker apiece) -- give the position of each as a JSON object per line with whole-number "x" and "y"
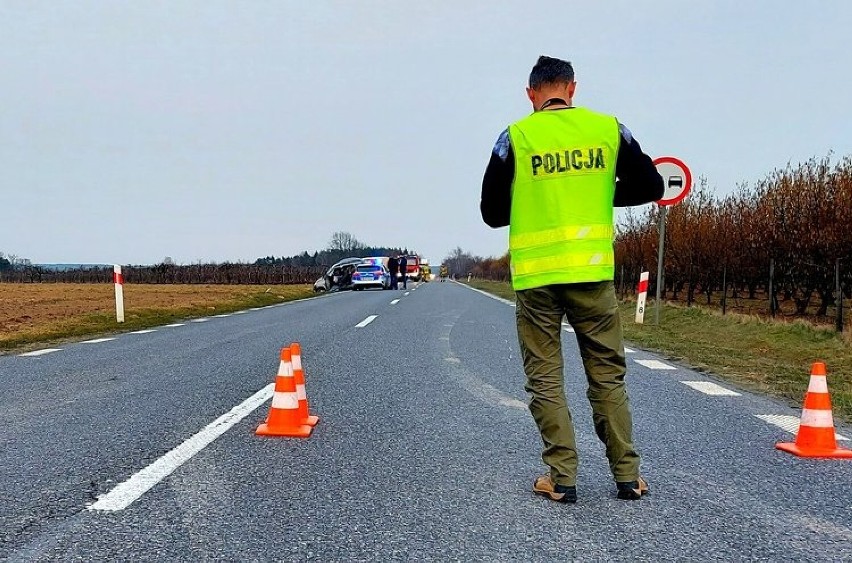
{"x": 677, "y": 180}
{"x": 661, "y": 227}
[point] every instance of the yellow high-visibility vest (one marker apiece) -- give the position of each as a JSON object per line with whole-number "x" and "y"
{"x": 561, "y": 226}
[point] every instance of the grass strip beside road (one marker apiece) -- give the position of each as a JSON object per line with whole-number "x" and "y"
{"x": 34, "y": 315}
{"x": 763, "y": 355}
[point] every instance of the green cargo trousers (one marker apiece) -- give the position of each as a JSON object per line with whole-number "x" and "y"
{"x": 592, "y": 310}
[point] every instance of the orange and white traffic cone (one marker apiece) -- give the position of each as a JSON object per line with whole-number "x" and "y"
{"x": 301, "y": 393}
{"x": 816, "y": 431}
{"x": 284, "y": 419}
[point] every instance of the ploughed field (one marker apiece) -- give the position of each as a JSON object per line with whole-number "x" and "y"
{"x": 31, "y": 313}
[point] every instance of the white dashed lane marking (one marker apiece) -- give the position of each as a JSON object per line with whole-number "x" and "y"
{"x": 654, "y": 364}
{"x": 709, "y": 388}
{"x": 146, "y": 331}
{"x": 366, "y": 321}
{"x": 35, "y": 353}
{"x": 406, "y": 293}
{"x": 788, "y": 423}
{"x": 395, "y": 301}
{"x": 97, "y": 340}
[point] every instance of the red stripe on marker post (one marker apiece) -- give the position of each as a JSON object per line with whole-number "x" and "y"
{"x": 641, "y": 297}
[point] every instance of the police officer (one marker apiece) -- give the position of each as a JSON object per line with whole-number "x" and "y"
{"x": 403, "y": 270}
{"x": 393, "y": 268}
{"x": 554, "y": 178}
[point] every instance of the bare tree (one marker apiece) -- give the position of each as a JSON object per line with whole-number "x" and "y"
{"x": 460, "y": 262}
{"x": 344, "y": 242}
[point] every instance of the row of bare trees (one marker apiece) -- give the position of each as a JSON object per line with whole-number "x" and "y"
{"x": 796, "y": 224}
{"x": 796, "y": 221}
{"x": 301, "y": 268}
{"x": 226, "y": 273}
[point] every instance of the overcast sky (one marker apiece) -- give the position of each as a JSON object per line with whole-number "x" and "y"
{"x": 205, "y": 130}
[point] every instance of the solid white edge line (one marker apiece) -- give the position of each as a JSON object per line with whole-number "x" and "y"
{"x": 366, "y": 321}
{"x": 486, "y": 294}
{"x": 124, "y": 494}
{"x": 36, "y": 353}
{"x": 629, "y": 350}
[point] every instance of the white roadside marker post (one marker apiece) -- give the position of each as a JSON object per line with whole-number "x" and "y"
{"x": 640, "y": 300}
{"x": 118, "y": 280}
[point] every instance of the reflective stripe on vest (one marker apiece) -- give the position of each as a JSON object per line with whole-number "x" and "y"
{"x": 561, "y": 226}
{"x": 560, "y": 234}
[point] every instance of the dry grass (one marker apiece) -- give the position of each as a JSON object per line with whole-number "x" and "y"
{"x": 40, "y": 313}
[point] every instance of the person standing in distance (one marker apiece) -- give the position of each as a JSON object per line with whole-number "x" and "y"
{"x": 403, "y": 270}
{"x": 554, "y": 178}
{"x": 393, "y": 268}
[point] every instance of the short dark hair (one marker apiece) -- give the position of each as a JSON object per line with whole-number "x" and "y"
{"x": 548, "y": 70}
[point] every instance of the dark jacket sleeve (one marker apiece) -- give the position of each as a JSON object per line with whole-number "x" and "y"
{"x": 638, "y": 180}
{"x": 496, "y": 202}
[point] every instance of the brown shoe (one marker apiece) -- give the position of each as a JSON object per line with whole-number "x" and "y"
{"x": 632, "y": 490}
{"x": 545, "y": 486}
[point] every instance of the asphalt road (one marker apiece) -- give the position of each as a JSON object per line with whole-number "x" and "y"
{"x": 424, "y": 450}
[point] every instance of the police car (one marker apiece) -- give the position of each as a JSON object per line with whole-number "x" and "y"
{"x": 371, "y": 272}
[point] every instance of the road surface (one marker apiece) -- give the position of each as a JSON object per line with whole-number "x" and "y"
{"x": 424, "y": 450}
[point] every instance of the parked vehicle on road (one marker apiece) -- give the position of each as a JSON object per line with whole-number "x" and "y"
{"x": 339, "y": 276}
{"x": 371, "y": 273}
{"x": 383, "y": 260}
{"x": 412, "y": 267}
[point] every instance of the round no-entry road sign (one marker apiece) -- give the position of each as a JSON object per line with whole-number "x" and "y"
{"x": 676, "y": 177}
